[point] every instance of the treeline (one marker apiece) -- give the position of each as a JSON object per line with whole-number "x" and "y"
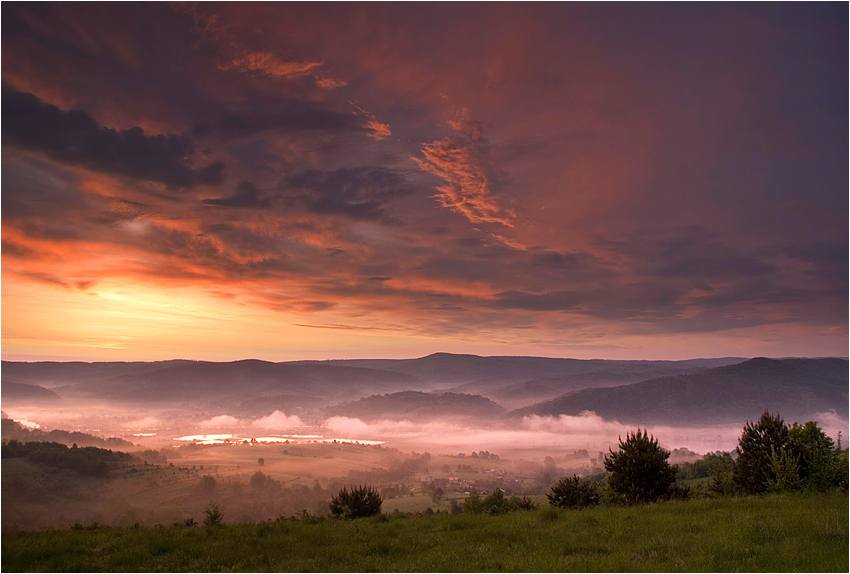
{"x": 86, "y": 461}
{"x": 771, "y": 457}
{"x": 14, "y": 430}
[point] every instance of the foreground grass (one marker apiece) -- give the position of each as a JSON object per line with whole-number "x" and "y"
{"x": 779, "y": 533}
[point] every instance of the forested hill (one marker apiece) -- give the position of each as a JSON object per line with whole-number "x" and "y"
{"x": 795, "y": 388}
{"x": 257, "y": 387}
{"x": 13, "y": 430}
{"x": 416, "y": 405}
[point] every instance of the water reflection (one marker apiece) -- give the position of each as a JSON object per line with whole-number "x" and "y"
{"x": 285, "y": 439}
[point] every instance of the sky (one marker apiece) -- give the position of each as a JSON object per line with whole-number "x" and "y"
{"x": 288, "y": 181}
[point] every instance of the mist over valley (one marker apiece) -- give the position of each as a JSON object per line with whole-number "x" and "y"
{"x": 317, "y": 426}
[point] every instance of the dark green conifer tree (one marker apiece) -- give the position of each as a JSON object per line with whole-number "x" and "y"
{"x": 759, "y": 442}
{"x": 639, "y": 470}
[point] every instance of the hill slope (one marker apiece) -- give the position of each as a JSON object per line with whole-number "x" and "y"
{"x": 416, "y": 405}
{"x": 479, "y": 375}
{"x": 796, "y": 388}
{"x": 17, "y": 392}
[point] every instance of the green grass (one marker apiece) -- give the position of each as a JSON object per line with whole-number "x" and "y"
{"x": 778, "y": 533}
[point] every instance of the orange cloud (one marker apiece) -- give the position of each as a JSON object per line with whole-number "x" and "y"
{"x": 268, "y": 64}
{"x": 378, "y": 131}
{"x": 461, "y": 163}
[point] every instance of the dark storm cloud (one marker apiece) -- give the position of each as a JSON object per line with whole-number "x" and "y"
{"x": 74, "y": 137}
{"x": 277, "y": 114}
{"x": 247, "y": 195}
{"x": 360, "y": 193}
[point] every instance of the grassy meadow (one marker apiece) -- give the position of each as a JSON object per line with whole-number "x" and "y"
{"x": 776, "y": 533}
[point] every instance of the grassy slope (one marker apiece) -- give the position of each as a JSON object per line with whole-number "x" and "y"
{"x": 774, "y": 533}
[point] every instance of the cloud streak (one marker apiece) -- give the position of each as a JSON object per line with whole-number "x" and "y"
{"x": 462, "y": 161}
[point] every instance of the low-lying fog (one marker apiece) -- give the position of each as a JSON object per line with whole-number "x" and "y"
{"x": 263, "y": 467}
{"x": 534, "y": 434}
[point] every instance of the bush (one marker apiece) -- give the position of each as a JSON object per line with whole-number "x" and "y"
{"x": 213, "y": 516}
{"x": 359, "y": 502}
{"x": 573, "y": 493}
{"x": 757, "y": 445}
{"x": 495, "y": 503}
{"x": 722, "y": 483}
{"x": 524, "y": 503}
{"x": 639, "y": 470}
{"x": 473, "y": 504}
{"x": 818, "y": 457}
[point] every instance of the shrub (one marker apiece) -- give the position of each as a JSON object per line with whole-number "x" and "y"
{"x": 754, "y": 468}
{"x": 359, "y": 502}
{"x": 639, "y": 470}
{"x": 495, "y": 503}
{"x": 571, "y": 492}
{"x": 678, "y": 492}
{"x": 213, "y": 516}
{"x": 722, "y": 483}
{"x": 524, "y": 503}
{"x": 473, "y": 504}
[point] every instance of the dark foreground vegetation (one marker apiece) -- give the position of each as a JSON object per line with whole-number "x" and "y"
{"x": 775, "y": 532}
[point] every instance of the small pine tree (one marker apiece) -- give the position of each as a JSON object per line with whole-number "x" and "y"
{"x": 359, "y": 502}
{"x": 639, "y": 470}
{"x": 753, "y": 468}
{"x": 213, "y": 516}
{"x": 570, "y": 492}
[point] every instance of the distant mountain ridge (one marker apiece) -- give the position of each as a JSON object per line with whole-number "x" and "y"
{"x": 307, "y": 384}
{"x": 796, "y": 388}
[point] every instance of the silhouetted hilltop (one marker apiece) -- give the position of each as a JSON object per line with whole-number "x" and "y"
{"x": 795, "y": 388}
{"x": 253, "y": 385}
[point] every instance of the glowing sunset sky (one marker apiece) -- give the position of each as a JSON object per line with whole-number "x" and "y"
{"x": 287, "y": 181}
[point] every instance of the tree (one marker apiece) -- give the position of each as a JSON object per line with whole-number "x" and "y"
{"x": 359, "y": 502}
{"x": 258, "y": 479}
{"x": 207, "y": 483}
{"x": 261, "y": 461}
{"x": 816, "y": 454}
{"x": 570, "y": 492}
{"x": 639, "y": 470}
{"x": 757, "y": 447}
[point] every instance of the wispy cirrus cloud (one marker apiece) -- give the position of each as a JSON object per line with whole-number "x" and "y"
{"x": 462, "y": 161}
{"x": 268, "y": 64}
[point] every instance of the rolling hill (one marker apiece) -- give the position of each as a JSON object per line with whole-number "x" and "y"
{"x": 415, "y": 405}
{"x": 254, "y": 386}
{"x": 479, "y": 375}
{"x": 795, "y": 388}
{"x": 23, "y": 393}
